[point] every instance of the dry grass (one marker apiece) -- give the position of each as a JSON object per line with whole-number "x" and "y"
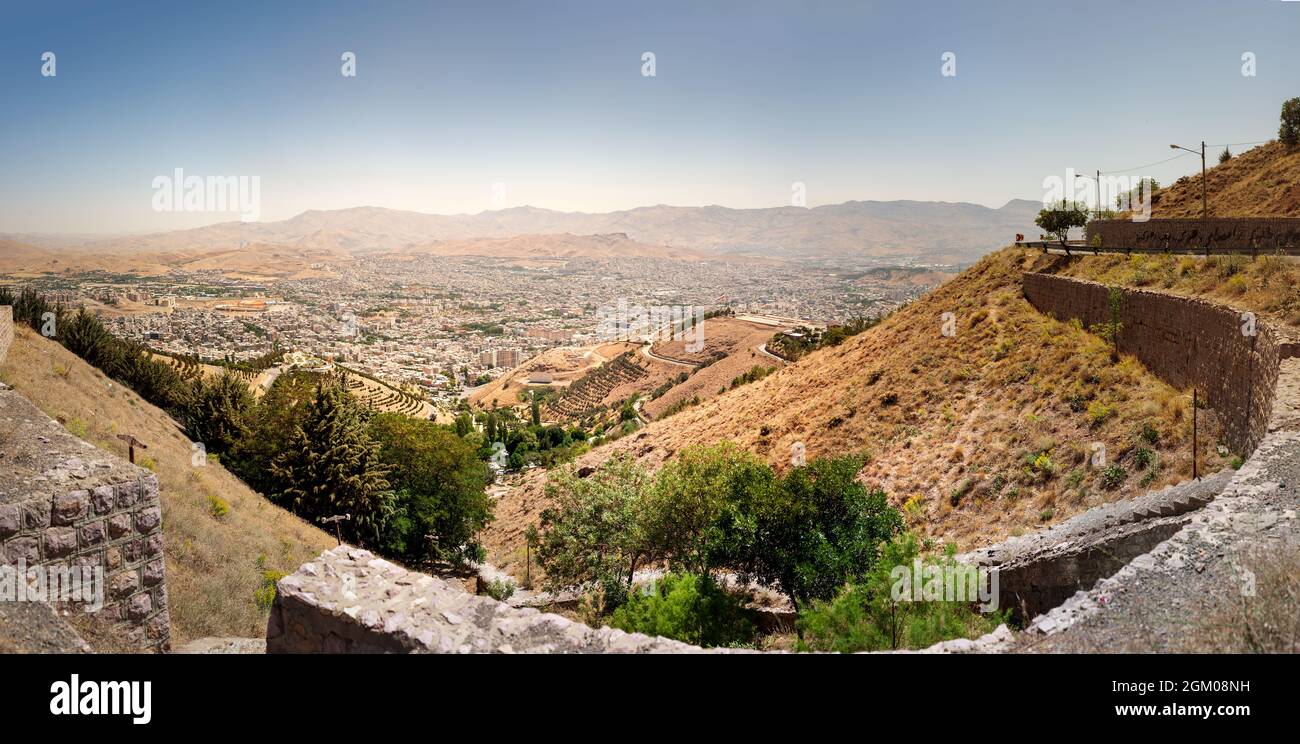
{"x": 211, "y": 571}
{"x": 1268, "y": 285}
{"x": 1260, "y": 182}
{"x": 953, "y": 424}
{"x": 1264, "y": 623}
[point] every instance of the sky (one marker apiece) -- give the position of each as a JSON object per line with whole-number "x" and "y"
{"x": 470, "y": 106}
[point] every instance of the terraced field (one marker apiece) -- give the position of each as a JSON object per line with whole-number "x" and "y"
{"x": 381, "y": 397}
{"x": 592, "y": 390}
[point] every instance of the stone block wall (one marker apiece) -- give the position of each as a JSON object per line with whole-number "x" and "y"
{"x": 1186, "y": 341}
{"x": 349, "y": 601}
{"x": 6, "y": 330}
{"x": 1262, "y": 234}
{"x": 65, "y": 503}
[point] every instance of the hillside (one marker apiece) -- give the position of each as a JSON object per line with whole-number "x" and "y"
{"x": 978, "y": 436}
{"x": 941, "y": 231}
{"x": 1260, "y": 182}
{"x": 212, "y": 569}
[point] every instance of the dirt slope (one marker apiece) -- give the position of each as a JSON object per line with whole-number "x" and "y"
{"x": 211, "y": 561}
{"x": 954, "y": 424}
{"x": 1261, "y": 182}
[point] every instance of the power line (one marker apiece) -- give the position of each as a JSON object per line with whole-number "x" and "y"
{"x": 1144, "y": 167}
{"x": 1179, "y": 155}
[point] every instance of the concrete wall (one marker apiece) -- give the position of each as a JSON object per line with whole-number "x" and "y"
{"x": 1188, "y": 342}
{"x": 66, "y": 503}
{"x": 6, "y": 330}
{"x": 1223, "y": 233}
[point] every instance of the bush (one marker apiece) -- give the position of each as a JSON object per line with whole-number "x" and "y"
{"x": 865, "y": 616}
{"x": 1289, "y": 131}
{"x": 1112, "y": 476}
{"x": 1098, "y": 412}
{"x": 1143, "y": 457}
{"x": 217, "y": 506}
{"x": 499, "y": 589}
{"x": 688, "y": 608}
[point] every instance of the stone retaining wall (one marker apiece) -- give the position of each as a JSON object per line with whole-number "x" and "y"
{"x": 6, "y": 330}
{"x": 1186, "y": 341}
{"x": 65, "y": 503}
{"x": 349, "y": 601}
{"x": 1261, "y": 234}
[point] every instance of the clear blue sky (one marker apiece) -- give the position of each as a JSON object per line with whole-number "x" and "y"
{"x": 548, "y": 99}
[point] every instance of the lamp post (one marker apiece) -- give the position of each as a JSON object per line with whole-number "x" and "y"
{"x": 1077, "y": 176}
{"x": 1205, "y": 202}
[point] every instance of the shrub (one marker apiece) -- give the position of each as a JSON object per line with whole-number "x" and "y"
{"x": 499, "y": 589}
{"x": 960, "y": 491}
{"x": 1236, "y": 462}
{"x": 1149, "y": 434}
{"x": 1112, "y": 476}
{"x": 688, "y": 608}
{"x": 1143, "y": 457}
{"x": 865, "y": 616}
{"x": 1289, "y": 131}
{"x": 217, "y": 506}
{"x": 264, "y": 594}
{"x": 1098, "y": 412}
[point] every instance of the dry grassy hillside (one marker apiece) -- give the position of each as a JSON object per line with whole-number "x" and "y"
{"x": 978, "y": 435}
{"x": 1268, "y": 285}
{"x": 1261, "y": 182}
{"x": 211, "y": 560}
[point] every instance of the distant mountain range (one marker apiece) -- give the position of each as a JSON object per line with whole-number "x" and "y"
{"x": 929, "y": 231}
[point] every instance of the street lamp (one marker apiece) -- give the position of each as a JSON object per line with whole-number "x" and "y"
{"x": 1077, "y": 176}
{"x": 1205, "y": 209}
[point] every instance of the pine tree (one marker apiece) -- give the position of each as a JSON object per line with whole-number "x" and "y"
{"x": 218, "y": 411}
{"x": 331, "y": 467}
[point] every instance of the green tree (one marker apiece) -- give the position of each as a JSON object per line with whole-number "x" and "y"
{"x": 1058, "y": 221}
{"x": 821, "y": 529}
{"x": 1289, "y": 131}
{"x": 689, "y": 608}
{"x": 270, "y": 425}
{"x": 700, "y": 513}
{"x": 218, "y": 410}
{"x": 593, "y": 534}
{"x": 440, "y": 501}
{"x": 330, "y": 466}
{"x": 867, "y": 615}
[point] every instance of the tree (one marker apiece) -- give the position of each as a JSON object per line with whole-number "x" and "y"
{"x": 536, "y": 409}
{"x": 1059, "y": 220}
{"x": 1225, "y": 156}
{"x": 1289, "y": 131}
{"x": 330, "y": 466}
{"x": 689, "y": 608}
{"x": 700, "y": 512}
{"x": 440, "y": 502}
{"x": 593, "y": 534}
{"x": 822, "y": 529}
{"x": 218, "y": 410}
{"x": 270, "y": 425}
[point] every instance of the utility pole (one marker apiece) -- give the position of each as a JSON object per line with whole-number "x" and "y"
{"x": 1196, "y": 474}
{"x": 1205, "y": 199}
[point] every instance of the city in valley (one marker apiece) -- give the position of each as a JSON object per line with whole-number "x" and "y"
{"x": 424, "y": 331}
